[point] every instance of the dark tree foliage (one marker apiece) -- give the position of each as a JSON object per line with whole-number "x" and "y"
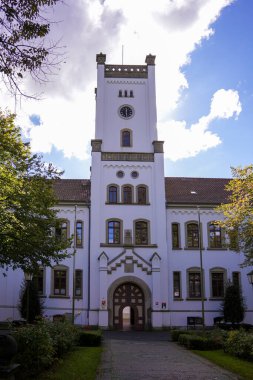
{"x": 27, "y": 216}
{"x": 23, "y": 28}
{"x": 233, "y": 305}
{"x": 30, "y": 306}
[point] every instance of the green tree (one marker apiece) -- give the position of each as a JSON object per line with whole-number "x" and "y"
{"x": 27, "y": 217}
{"x": 238, "y": 212}
{"x": 30, "y": 305}
{"x": 23, "y": 28}
{"x": 233, "y": 306}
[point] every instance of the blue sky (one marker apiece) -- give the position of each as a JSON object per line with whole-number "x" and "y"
{"x": 204, "y": 55}
{"x": 225, "y": 60}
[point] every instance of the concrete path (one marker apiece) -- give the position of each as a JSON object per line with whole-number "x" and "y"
{"x": 149, "y": 355}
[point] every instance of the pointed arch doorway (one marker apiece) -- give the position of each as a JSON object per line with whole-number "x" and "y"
{"x": 128, "y": 307}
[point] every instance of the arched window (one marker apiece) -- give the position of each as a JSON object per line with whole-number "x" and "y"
{"x": 126, "y": 138}
{"x": 120, "y": 93}
{"x": 113, "y": 194}
{"x": 141, "y": 232}
{"x": 192, "y": 235}
{"x": 214, "y": 235}
{"x": 127, "y": 194}
{"x": 113, "y": 232}
{"x": 131, "y": 94}
{"x": 141, "y": 195}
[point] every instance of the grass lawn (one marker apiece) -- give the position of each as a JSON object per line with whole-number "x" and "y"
{"x": 79, "y": 364}
{"x": 231, "y": 363}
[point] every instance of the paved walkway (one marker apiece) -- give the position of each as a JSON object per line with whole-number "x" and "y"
{"x": 149, "y": 355}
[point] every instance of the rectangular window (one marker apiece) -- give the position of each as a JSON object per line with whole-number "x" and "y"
{"x": 192, "y": 235}
{"x": 175, "y": 235}
{"x": 78, "y": 283}
{"x": 217, "y": 279}
{"x": 176, "y": 285}
{"x": 236, "y": 278}
{"x": 194, "y": 285}
{"x": 61, "y": 231}
{"x": 215, "y": 240}
{"x": 79, "y": 234}
{"x": 60, "y": 282}
{"x": 141, "y": 233}
{"x": 114, "y": 232}
{"x": 38, "y": 280}
{"x": 127, "y": 194}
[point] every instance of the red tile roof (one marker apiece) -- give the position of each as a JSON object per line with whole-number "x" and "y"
{"x": 196, "y": 190}
{"x": 72, "y": 190}
{"x": 179, "y": 190}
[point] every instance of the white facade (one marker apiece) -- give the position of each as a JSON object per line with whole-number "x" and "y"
{"x": 126, "y": 258}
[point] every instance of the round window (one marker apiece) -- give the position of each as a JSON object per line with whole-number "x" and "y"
{"x": 120, "y": 174}
{"x": 134, "y": 174}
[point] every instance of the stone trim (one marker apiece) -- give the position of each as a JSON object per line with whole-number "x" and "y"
{"x": 127, "y": 156}
{"x": 96, "y": 145}
{"x": 126, "y": 71}
{"x": 100, "y": 58}
{"x": 158, "y": 146}
{"x": 150, "y": 60}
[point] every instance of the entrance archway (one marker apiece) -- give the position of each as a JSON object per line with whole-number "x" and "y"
{"x": 128, "y": 307}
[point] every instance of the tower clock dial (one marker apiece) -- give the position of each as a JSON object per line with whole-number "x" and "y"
{"x": 126, "y": 111}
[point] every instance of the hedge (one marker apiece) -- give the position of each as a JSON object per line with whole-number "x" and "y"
{"x": 89, "y": 339}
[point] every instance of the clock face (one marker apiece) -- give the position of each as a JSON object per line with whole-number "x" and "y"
{"x": 126, "y": 112}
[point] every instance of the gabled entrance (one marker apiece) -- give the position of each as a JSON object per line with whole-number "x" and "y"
{"x": 128, "y": 307}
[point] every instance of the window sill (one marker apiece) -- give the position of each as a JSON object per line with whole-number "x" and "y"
{"x": 178, "y": 299}
{"x": 194, "y": 249}
{"x": 217, "y": 249}
{"x": 59, "y": 296}
{"x": 127, "y": 204}
{"x": 129, "y": 245}
{"x": 176, "y": 249}
{"x": 216, "y": 298}
{"x": 196, "y": 299}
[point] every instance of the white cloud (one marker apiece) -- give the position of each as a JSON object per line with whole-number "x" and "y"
{"x": 170, "y": 29}
{"x": 183, "y": 142}
{"x": 225, "y": 104}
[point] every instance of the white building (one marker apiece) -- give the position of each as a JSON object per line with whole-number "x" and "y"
{"x": 136, "y": 232}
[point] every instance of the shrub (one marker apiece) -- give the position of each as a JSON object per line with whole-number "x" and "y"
{"x": 64, "y": 336}
{"x": 239, "y": 343}
{"x": 35, "y": 348}
{"x": 197, "y": 342}
{"x": 175, "y": 334}
{"x": 218, "y": 337}
{"x": 88, "y": 339}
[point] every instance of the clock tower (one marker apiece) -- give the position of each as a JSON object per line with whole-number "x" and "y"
{"x": 128, "y": 250}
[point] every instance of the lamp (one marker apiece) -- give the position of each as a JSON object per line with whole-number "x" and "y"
{"x": 250, "y": 277}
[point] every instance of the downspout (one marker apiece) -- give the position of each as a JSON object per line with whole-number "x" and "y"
{"x": 88, "y": 306}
